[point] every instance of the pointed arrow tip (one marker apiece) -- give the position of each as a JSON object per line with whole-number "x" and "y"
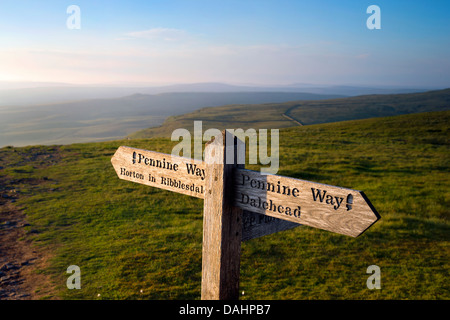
{"x": 375, "y": 212}
{"x": 372, "y": 208}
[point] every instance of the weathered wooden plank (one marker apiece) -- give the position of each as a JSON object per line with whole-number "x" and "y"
{"x": 255, "y": 225}
{"x": 222, "y": 228}
{"x": 322, "y": 206}
{"x": 178, "y": 174}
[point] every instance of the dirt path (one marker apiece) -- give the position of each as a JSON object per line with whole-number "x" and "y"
{"x": 287, "y": 115}
{"x": 20, "y": 260}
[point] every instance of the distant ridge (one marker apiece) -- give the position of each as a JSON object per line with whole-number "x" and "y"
{"x": 92, "y": 120}
{"x": 294, "y": 113}
{"x": 35, "y": 93}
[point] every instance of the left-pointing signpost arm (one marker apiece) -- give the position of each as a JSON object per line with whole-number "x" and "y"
{"x": 160, "y": 170}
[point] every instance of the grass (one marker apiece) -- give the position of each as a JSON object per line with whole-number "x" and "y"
{"x": 127, "y": 237}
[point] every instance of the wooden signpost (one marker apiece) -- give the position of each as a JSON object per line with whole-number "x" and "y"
{"x": 241, "y": 204}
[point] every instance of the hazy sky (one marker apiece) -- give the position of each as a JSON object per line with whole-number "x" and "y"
{"x": 238, "y": 42}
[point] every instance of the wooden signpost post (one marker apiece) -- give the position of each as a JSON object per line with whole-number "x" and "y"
{"x": 241, "y": 204}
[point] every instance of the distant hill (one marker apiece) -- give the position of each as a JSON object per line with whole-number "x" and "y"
{"x": 369, "y": 106}
{"x": 35, "y": 93}
{"x": 108, "y": 119}
{"x": 294, "y": 113}
{"x": 307, "y": 88}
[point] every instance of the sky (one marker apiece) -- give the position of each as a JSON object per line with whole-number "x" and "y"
{"x": 246, "y": 42}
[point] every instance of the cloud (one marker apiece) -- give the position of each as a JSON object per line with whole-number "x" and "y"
{"x": 160, "y": 34}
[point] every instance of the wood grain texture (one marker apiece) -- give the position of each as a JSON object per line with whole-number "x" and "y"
{"x": 160, "y": 170}
{"x": 322, "y": 206}
{"x": 222, "y": 228}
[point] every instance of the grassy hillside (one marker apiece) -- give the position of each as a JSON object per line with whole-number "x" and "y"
{"x": 289, "y": 114}
{"x": 136, "y": 242}
{"x": 369, "y": 106}
{"x": 267, "y": 116}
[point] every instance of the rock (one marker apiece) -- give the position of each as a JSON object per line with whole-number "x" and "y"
{"x": 4, "y": 279}
{"x": 8, "y": 224}
{"x": 8, "y": 266}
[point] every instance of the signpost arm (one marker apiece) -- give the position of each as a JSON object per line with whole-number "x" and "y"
{"x": 222, "y": 224}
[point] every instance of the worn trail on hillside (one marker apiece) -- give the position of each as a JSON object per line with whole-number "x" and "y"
{"x": 288, "y": 115}
{"x": 20, "y": 260}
